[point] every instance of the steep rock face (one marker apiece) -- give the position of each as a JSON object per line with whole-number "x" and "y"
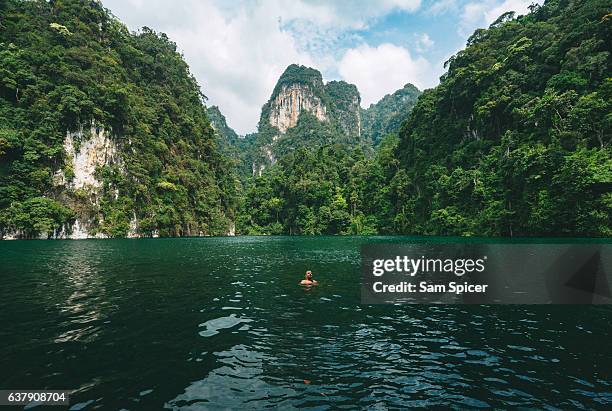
{"x": 286, "y": 107}
{"x": 304, "y": 112}
{"x": 86, "y": 152}
{"x": 298, "y": 90}
{"x": 95, "y": 149}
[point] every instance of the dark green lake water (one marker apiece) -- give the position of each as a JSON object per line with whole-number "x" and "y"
{"x": 212, "y": 323}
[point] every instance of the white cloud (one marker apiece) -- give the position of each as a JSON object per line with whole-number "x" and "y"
{"x": 236, "y": 54}
{"x": 423, "y": 42}
{"x": 381, "y": 70}
{"x": 441, "y": 6}
{"x": 357, "y": 13}
{"x": 237, "y": 50}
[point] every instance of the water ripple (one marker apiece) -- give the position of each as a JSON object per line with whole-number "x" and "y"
{"x": 220, "y": 323}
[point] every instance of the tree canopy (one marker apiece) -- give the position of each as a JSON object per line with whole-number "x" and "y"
{"x": 516, "y": 138}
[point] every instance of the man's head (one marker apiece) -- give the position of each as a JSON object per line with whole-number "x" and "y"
{"x": 309, "y": 275}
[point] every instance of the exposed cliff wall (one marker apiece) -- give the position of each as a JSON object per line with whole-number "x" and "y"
{"x": 86, "y": 151}
{"x": 292, "y": 99}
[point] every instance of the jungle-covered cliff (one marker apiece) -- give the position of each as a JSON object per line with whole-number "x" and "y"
{"x": 103, "y": 132}
{"x": 304, "y": 112}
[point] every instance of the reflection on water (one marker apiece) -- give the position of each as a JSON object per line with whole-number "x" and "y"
{"x": 85, "y": 301}
{"x": 221, "y": 323}
{"x": 213, "y": 326}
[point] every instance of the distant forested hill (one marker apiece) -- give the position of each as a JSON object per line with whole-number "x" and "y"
{"x": 386, "y": 116}
{"x": 102, "y": 132}
{"x": 516, "y": 140}
{"x": 237, "y": 149}
{"x": 227, "y": 134}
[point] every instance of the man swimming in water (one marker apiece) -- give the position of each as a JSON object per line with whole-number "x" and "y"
{"x": 308, "y": 279}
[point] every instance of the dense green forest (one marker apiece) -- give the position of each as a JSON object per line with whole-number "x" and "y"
{"x": 515, "y": 140}
{"x": 328, "y": 189}
{"x": 69, "y": 64}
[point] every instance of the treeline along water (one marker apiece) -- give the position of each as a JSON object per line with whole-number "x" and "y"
{"x": 220, "y": 322}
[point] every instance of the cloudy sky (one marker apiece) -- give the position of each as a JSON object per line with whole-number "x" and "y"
{"x": 238, "y": 49}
